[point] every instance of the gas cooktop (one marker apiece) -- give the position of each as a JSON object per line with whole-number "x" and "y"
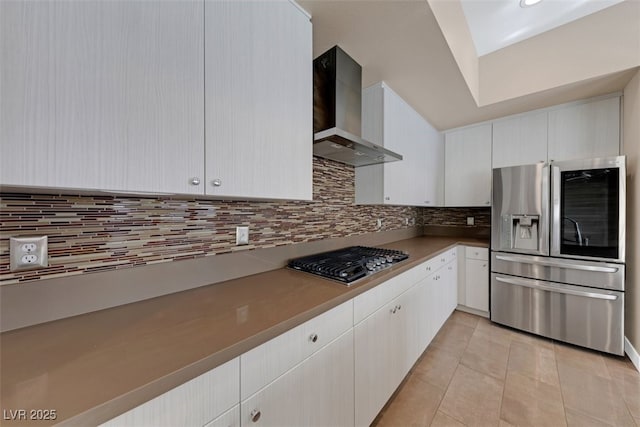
{"x": 348, "y": 264}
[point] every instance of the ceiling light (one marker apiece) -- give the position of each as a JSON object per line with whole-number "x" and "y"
{"x": 527, "y": 3}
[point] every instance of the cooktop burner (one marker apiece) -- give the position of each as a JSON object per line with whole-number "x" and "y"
{"x": 348, "y": 264}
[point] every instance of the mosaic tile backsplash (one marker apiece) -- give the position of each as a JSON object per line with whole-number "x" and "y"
{"x": 456, "y": 216}
{"x": 97, "y": 233}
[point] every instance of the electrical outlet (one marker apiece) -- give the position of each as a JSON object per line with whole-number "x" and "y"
{"x": 28, "y": 252}
{"x": 242, "y": 236}
{"x": 379, "y": 224}
{"x": 471, "y": 220}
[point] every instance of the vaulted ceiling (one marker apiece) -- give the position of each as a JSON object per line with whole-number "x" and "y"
{"x": 424, "y": 50}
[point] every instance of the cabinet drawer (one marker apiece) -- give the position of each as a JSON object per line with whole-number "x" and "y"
{"x": 265, "y": 363}
{"x": 317, "y": 392}
{"x": 477, "y": 253}
{"x": 193, "y": 403}
{"x": 439, "y": 261}
{"x": 365, "y": 304}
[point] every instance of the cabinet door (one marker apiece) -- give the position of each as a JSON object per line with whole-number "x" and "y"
{"x": 101, "y": 94}
{"x": 468, "y": 166}
{"x": 433, "y": 167}
{"x": 585, "y": 130}
{"x": 194, "y": 403}
{"x": 317, "y": 392}
{"x": 374, "y": 371}
{"x": 259, "y": 88}
{"x": 450, "y": 291}
{"x": 477, "y": 284}
{"x": 405, "y": 132}
{"x": 389, "y": 121}
{"x": 520, "y": 140}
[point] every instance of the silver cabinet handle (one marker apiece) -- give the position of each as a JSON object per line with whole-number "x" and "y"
{"x": 561, "y": 264}
{"x": 313, "y": 337}
{"x": 536, "y": 285}
{"x": 216, "y": 182}
{"x": 195, "y": 181}
{"x": 255, "y": 415}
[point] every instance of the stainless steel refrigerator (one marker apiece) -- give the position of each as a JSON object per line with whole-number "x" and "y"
{"x": 558, "y": 251}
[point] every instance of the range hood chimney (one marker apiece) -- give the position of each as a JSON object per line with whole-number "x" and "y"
{"x": 337, "y": 108}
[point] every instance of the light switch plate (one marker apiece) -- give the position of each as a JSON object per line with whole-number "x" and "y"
{"x": 242, "y": 236}
{"x": 471, "y": 220}
{"x": 27, "y": 253}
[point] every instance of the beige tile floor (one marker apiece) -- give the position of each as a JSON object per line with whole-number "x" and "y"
{"x": 476, "y": 373}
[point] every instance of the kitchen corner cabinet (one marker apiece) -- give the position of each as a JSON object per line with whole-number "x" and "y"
{"x": 213, "y": 398}
{"x": 520, "y": 140}
{"x": 102, "y": 95}
{"x": 258, "y": 100}
{"x": 585, "y": 130}
{"x": 416, "y": 180}
{"x": 468, "y": 166}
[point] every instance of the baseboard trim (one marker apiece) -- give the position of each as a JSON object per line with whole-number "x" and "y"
{"x": 632, "y": 353}
{"x": 472, "y": 311}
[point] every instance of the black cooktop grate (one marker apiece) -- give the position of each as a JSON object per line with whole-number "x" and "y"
{"x": 348, "y": 264}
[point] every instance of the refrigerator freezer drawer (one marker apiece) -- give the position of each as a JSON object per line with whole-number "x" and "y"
{"x": 578, "y": 315}
{"x": 575, "y": 272}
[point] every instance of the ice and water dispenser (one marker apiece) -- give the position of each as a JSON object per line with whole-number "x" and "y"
{"x": 520, "y": 232}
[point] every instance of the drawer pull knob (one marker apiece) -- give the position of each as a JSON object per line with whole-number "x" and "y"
{"x": 313, "y": 337}
{"x": 195, "y": 181}
{"x": 255, "y": 415}
{"x": 216, "y": 182}
{"x": 399, "y": 306}
{"x": 428, "y": 268}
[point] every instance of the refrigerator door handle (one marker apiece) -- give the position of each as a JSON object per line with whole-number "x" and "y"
{"x": 559, "y": 264}
{"x": 536, "y": 285}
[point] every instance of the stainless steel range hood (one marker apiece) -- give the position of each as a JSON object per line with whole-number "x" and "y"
{"x": 337, "y": 109}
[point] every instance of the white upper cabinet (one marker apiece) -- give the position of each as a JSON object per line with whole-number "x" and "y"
{"x": 259, "y": 100}
{"x": 520, "y": 140}
{"x": 468, "y": 166}
{"x": 103, "y": 95}
{"x": 585, "y": 130}
{"x": 416, "y": 180}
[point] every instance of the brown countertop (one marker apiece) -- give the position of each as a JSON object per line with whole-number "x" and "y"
{"x": 93, "y": 367}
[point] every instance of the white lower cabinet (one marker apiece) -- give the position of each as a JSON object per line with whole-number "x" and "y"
{"x": 475, "y": 281}
{"x": 389, "y": 341}
{"x": 265, "y": 363}
{"x": 194, "y": 403}
{"x": 375, "y": 371}
{"x": 317, "y": 392}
